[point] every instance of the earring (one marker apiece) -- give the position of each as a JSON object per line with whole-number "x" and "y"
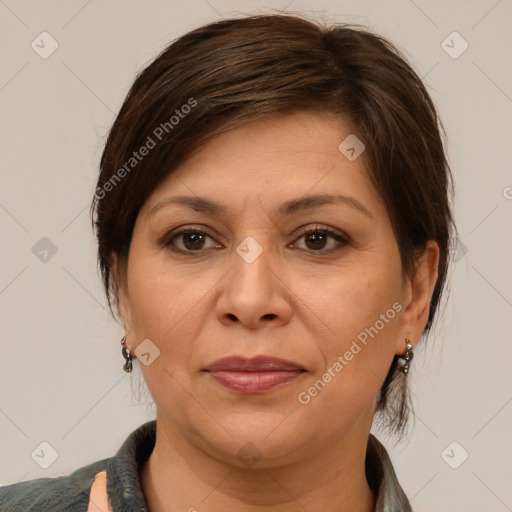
{"x": 407, "y": 357}
{"x": 127, "y": 367}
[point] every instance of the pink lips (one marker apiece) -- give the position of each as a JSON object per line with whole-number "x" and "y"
{"x": 255, "y": 375}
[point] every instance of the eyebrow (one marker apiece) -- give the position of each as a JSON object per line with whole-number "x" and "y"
{"x": 202, "y": 204}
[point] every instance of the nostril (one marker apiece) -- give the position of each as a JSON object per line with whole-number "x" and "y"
{"x": 269, "y": 316}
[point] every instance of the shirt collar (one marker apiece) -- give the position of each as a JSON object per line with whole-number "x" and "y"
{"x": 382, "y": 479}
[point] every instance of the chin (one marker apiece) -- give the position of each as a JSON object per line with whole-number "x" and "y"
{"x": 259, "y": 440}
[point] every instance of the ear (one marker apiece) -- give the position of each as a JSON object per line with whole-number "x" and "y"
{"x": 417, "y": 295}
{"x": 119, "y": 274}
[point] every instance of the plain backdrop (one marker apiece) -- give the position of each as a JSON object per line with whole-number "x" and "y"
{"x": 61, "y": 377}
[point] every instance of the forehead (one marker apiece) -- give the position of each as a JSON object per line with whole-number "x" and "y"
{"x": 272, "y": 161}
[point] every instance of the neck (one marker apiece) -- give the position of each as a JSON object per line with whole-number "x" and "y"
{"x": 181, "y": 477}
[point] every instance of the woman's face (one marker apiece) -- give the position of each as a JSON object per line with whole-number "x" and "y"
{"x": 251, "y": 283}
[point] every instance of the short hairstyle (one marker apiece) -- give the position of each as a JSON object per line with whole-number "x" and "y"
{"x": 225, "y": 74}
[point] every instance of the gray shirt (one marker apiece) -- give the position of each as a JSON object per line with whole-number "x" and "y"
{"x": 71, "y": 493}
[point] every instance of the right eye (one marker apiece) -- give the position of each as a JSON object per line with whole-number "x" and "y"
{"x": 188, "y": 240}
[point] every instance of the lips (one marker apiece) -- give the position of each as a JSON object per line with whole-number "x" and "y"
{"x": 256, "y": 364}
{"x": 256, "y": 375}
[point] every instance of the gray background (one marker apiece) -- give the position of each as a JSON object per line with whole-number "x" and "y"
{"x": 61, "y": 378}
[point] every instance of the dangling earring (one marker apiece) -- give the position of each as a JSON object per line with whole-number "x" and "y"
{"x": 127, "y": 367}
{"x": 407, "y": 357}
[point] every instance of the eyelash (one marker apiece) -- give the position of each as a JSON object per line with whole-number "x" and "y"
{"x": 341, "y": 239}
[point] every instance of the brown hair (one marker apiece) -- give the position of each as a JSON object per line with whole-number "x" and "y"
{"x": 227, "y": 73}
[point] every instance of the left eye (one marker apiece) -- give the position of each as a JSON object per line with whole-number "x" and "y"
{"x": 317, "y": 239}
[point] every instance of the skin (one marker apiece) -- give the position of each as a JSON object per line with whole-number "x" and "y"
{"x": 300, "y": 300}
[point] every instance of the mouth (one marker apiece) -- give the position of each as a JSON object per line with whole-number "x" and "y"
{"x": 253, "y": 376}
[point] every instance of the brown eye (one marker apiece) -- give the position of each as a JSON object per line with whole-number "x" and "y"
{"x": 193, "y": 241}
{"x": 317, "y": 239}
{"x": 188, "y": 240}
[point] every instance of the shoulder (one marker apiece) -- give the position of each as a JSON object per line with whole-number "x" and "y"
{"x": 62, "y": 494}
{"x": 71, "y": 493}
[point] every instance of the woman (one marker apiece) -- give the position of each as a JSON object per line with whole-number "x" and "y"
{"x": 273, "y": 227}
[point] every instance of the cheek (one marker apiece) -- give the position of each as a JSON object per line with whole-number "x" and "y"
{"x": 362, "y": 310}
{"x": 167, "y": 310}
{"x": 164, "y": 306}
{"x": 352, "y": 301}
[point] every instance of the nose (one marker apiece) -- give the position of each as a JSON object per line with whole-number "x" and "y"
{"x": 254, "y": 295}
